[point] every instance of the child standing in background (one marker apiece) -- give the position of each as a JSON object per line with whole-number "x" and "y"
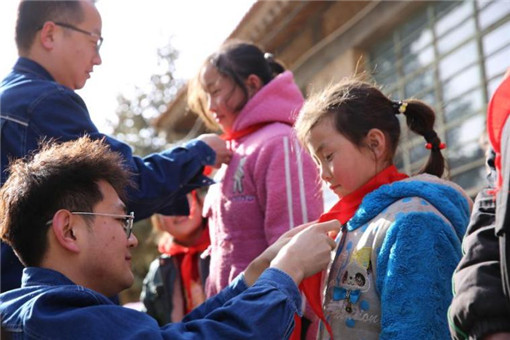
{"x": 480, "y": 308}
{"x": 271, "y": 183}
{"x": 174, "y": 284}
{"x": 401, "y": 237}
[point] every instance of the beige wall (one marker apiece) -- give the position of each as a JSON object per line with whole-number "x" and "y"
{"x": 345, "y": 65}
{"x": 320, "y": 41}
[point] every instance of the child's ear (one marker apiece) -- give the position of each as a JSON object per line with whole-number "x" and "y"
{"x": 377, "y": 143}
{"x": 253, "y": 84}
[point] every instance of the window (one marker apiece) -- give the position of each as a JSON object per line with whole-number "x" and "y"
{"x": 452, "y": 55}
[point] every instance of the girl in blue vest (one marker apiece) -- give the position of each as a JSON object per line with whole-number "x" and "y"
{"x": 401, "y": 237}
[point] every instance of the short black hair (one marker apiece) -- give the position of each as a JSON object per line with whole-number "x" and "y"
{"x": 59, "y": 176}
{"x": 33, "y": 14}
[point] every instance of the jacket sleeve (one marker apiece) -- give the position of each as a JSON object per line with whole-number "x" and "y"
{"x": 162, "y": 179}
{"x": 263, "y": 311}
{"x": 414, "y": 268}
{"x": 288, "y": 186}
{"x": 479, "y": 306}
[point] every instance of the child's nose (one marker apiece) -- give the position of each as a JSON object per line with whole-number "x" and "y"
{"x": 212, "y": 107}
{"x": 325, "y": 173}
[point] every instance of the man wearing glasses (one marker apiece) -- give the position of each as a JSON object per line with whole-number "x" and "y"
{"x": 58, "y": 44}
{"x": 63, "y": 213}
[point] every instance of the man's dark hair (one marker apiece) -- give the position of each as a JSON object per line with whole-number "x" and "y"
{"x": 59, "y": 176}
{"x": 33, "y": 14}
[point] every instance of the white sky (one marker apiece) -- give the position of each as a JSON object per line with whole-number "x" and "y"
{"x": 133, "y": 30}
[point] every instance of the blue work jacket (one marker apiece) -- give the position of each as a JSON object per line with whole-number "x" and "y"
{"x": 50, "y": 306}
{"x": 34, "y": 107}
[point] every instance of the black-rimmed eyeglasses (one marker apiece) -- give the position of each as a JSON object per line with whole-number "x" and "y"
{"x": 99, "y": 38}
{"x": 127, "y": 220}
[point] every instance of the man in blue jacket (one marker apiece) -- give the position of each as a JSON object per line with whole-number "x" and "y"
{"x": 58, "y": 44}
{"x": 63, "y": 213}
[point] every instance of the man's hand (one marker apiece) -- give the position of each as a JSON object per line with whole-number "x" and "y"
{"x": 259, "y": 264}
{"x": 270, "y": 253}
{"x": 308, "y": 252}
{"x": 223, "y": 154}
{"x": 300, "y": 252}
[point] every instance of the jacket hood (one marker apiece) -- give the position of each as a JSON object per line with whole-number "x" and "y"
{"x": 445, "y": 196}
{"x": 278, "y": 101}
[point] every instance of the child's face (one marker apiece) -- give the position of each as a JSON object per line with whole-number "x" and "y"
{"x": 343, "y": 165}
{"x": 183, "y": 227}
{"x": 223, "y": 97}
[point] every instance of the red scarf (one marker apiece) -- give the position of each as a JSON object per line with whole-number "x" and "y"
{"x": 233, "y": 136}
{"x": 343, "y": 211}
{"x": 188, "y": 262}
{"x": 236, "y": 135}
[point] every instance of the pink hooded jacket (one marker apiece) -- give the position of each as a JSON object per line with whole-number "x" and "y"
{"x": 270, "y": 186}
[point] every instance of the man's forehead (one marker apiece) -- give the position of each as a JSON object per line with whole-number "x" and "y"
{"x": 111, "y": 199}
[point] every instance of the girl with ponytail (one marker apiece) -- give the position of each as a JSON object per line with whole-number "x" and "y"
{"x": 271, "y": 184}
{"x": 390, "y": 277}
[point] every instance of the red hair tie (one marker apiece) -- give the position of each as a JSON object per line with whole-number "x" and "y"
{"x": 441, "y": 146}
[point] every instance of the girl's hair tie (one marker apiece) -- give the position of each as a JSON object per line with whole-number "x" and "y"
{"x": 433, "y": 141}
{"x": 269, "y": 56}
{"x": 440, "y": 146}
{"x": 399, "y": 107}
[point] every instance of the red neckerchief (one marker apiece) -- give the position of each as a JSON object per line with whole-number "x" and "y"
{"x": 236, "y": 135}
{"x": 343, "y": 211}
{"x": 188, "y": 265}
{"x": 498, "y": 112}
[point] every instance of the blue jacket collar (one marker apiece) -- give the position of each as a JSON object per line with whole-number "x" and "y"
{"x": 25, "y": 65}
{"x": 451, "y": 202}
{"x": 35, "y": 276}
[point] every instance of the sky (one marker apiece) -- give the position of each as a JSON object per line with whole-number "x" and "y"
{"x": 133, "y": 30}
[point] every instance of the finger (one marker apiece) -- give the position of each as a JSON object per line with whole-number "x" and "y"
{"x": 333, "y": 225}
{"x": 300, "y": 228}
{"x": 331, "y": 243}
{"x": 292, "y": 232}
{"x": 333, "y": 234}
{"x": 310, "y": 223}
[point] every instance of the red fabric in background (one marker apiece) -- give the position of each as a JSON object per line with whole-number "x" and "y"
{"x": 498, "y": 111}
{"x": 188, "y": 267}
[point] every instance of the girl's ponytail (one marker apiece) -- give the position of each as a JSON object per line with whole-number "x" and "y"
{"x": 276, "y": 67}
{"x": 420, "y": 118}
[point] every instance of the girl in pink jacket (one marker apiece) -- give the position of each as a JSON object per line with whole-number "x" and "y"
{"x": 270, "y": 184}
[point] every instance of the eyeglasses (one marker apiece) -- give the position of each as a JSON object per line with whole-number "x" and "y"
{"x": 99, "y": 41}
{"x": 127, "y": 220}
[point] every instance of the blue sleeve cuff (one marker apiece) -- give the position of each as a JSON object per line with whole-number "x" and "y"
{"x": 283, "y": 282}
{"x": 203, "y": 151}
{"x": 238, "y": 285}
